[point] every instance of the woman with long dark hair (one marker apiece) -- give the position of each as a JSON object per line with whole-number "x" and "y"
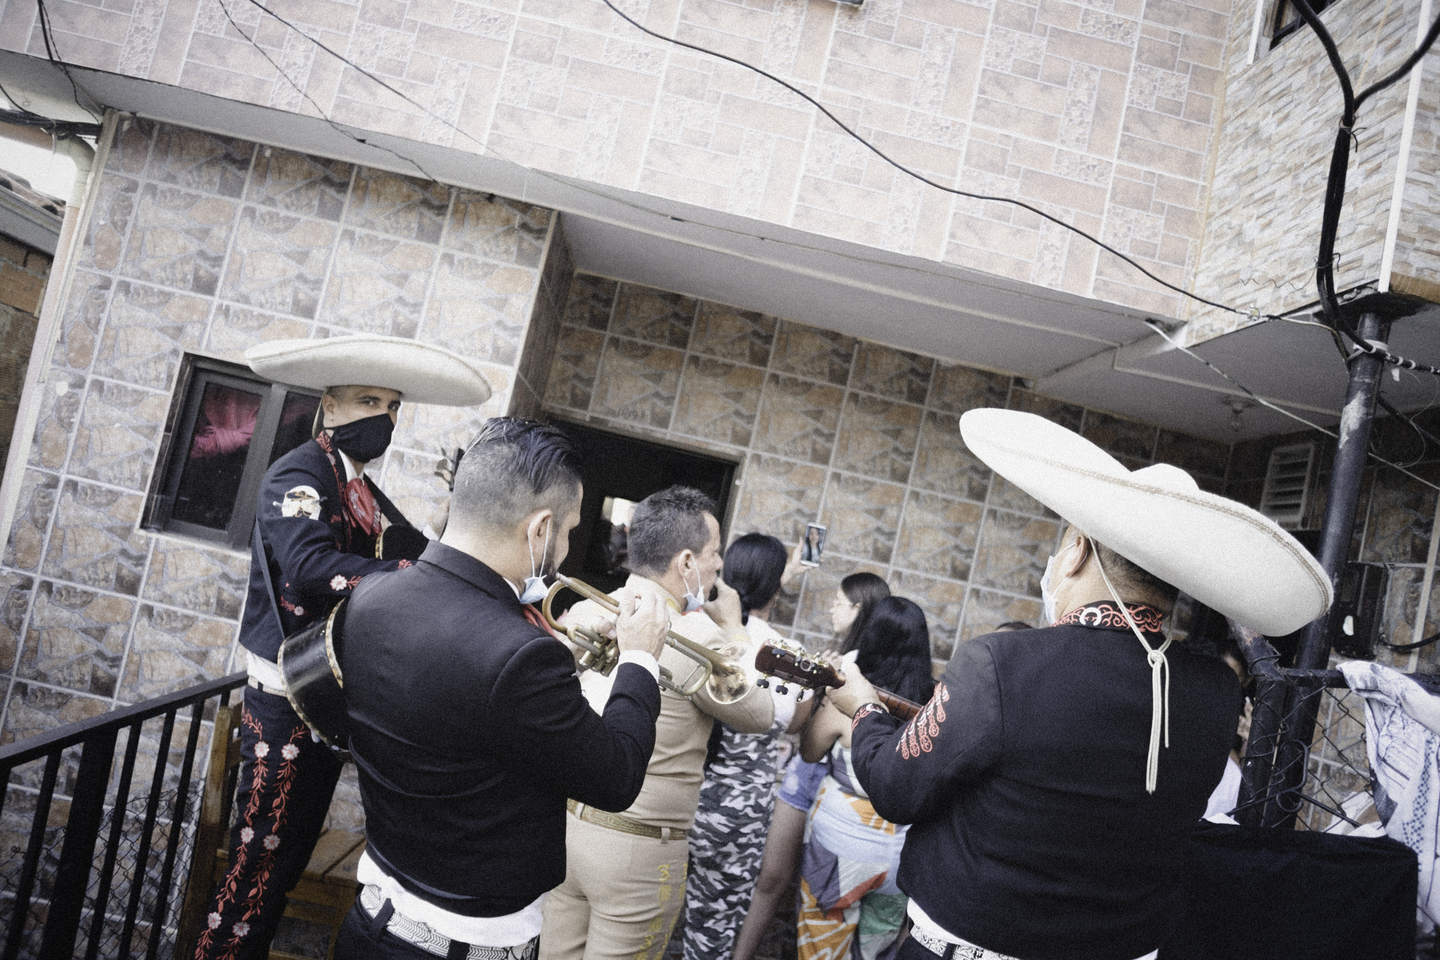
{"x": 728, "y": 839}
{"x": 849, "y": 612}
{"x": 849, "y": 903}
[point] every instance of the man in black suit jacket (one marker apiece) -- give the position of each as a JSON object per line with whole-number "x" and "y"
{"x": 1055, "y": 776}
{"x": 470, "y": 730}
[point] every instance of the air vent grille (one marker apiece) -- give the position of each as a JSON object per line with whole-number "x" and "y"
{"x": 1287, "y": 484}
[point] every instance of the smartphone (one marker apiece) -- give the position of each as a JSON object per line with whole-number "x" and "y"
{"x": 813, "y": 545}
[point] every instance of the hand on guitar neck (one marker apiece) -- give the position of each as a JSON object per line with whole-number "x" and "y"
{"x": 791, "y": 664}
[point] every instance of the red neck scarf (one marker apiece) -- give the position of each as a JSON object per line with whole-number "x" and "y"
{"x": 362, "y": 511}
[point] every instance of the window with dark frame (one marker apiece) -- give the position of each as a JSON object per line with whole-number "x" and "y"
{"x": 1287, "y": 19}
{"x": 226, "y": 427}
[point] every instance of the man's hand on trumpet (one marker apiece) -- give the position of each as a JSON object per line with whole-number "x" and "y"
{"x": 642, "y": 622}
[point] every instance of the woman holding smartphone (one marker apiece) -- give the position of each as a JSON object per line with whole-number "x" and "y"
{"x": 850, "y": 610}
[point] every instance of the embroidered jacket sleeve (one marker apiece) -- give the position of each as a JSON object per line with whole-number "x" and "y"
{"x": 540, "y": 720}
{"x": 303, "y": 526}
{"x": 910, "y": 769}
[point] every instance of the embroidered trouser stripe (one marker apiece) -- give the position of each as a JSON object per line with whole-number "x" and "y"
{"x": 285, "y": 785}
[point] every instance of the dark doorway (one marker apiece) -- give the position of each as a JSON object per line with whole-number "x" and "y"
{"x": 619, "y": 472}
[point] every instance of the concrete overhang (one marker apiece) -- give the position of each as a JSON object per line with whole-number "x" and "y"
{"x": 1078, "y": 349}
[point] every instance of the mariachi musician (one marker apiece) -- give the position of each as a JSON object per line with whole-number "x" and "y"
{"x": 319, "y": 521}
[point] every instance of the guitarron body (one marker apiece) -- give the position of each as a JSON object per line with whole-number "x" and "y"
{"x": 309, "y": 664}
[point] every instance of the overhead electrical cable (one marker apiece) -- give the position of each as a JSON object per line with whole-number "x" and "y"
{"x": 311, "y": 100}
{"x": 823, "y": 109}
{"x": 1335, "y": 182}
{"x": 52, "y": 52}
{"x": 1158, "y": 328}
{"x": 1153, "y": 325}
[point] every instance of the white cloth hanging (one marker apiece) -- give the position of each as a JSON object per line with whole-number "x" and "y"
{"x": 1402, "y": 743}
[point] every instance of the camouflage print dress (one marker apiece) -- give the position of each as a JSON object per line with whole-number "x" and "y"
{"x": 731, "y": 824}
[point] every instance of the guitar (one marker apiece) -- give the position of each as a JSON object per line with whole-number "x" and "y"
{"x": 793, "y": 664}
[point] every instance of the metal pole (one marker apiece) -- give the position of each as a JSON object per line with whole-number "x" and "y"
{"x": 1346, "y": 475}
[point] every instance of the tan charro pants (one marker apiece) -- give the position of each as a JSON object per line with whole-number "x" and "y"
{"x": 620, "y": 899}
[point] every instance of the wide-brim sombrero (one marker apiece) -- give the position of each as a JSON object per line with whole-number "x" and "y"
{"x": 1224, "y": 554}
{"x": 421, "y": 372}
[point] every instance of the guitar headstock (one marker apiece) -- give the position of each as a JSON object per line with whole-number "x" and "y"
{"x": 790, "y": 663}
{"x": 447, "y": 466}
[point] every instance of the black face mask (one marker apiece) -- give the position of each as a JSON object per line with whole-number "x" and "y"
{"x": 364, "y": 440}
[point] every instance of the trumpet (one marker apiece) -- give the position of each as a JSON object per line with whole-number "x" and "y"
{"x": 727, "y": 674}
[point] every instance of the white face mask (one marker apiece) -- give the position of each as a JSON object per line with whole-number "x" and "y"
{"x": 535, "y": 588}
{"x": 693, "y": 601}
{"x": 1047, "y": 592}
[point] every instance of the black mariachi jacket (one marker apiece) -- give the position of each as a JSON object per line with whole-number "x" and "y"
{"x": 1024, "y": 779}
{"x": 470, "y": 731}
{"x": 315, "y": 556}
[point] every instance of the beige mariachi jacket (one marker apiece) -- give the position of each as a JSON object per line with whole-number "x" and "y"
{"x": 677, "y": 767}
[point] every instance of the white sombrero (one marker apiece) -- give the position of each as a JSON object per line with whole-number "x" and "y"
{"x": 1224, "y": 554}
{"x": 421, "y": 372}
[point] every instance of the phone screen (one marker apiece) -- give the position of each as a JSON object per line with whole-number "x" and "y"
{"x": 813, "y": 546}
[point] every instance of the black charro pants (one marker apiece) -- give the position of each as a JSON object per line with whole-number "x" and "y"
{"x": 286, "y": 781}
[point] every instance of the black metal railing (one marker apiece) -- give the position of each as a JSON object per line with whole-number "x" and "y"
{"x": 99, "y": 855}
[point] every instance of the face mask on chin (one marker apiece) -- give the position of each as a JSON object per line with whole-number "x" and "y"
{"x": 535, "y": 588}
{"x": 364, "y": 440}
{"x": 1047, "y": 592}
{"x": 693, "y": 601}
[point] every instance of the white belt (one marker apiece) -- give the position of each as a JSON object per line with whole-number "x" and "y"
{"x": 264, "y": 673}
{"x": 424, "y": 936}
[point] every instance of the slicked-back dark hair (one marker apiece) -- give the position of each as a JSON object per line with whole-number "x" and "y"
{"x": 512, "y": 468}
{"x": 665, "y": 523}
{"x": 866, "y": 589}
{"x": 894, "y": 650}
{"x": 753, "y": 566}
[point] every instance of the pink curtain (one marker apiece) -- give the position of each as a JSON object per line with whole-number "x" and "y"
{"x": 229, "y": 421}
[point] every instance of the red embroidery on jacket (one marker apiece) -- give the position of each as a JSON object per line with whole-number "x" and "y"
{"x": 864, "y": 711}
{"x": 920, "y": 733}
{"x": 1107, "y": 615}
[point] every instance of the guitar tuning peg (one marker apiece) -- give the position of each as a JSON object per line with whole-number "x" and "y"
{"x": 782, "y": 689}
{"x": 763, "y": 683}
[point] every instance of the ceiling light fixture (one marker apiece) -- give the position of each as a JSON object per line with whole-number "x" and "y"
{"x": 1237, "y": 405}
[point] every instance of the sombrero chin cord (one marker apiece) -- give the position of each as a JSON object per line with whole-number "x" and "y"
{"x": 1159, "y": 685}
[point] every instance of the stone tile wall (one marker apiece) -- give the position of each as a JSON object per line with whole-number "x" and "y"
{"x": 859, "y": 435}
{"x": 1281, "y": 113}
{"x": 208, "y": 245}
{"x": 1099, "y": 113}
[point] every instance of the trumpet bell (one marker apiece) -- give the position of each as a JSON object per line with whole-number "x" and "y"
{"x": 730, "y": 681}
{"x": 726, "y": 674}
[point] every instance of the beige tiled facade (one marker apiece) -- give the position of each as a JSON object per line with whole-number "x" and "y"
{"x": 1100, "y": 114}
